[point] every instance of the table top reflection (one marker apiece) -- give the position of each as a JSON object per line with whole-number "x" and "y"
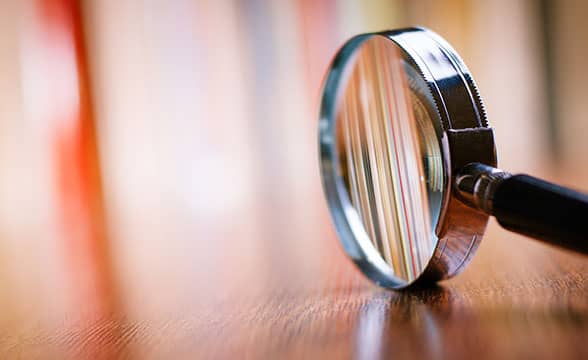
{"x": 518, "y": 299}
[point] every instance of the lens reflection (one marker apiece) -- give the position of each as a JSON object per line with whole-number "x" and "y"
{"x": 389, "y": 154}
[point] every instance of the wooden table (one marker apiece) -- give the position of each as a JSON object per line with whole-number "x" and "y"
{"x": 517, "y": 299}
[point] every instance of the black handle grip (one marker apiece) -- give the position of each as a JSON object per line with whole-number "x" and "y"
{"x": 544, "y": 211}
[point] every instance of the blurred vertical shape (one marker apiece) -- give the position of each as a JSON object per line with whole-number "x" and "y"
{"x": 284, "y": 124}
{"x": 271, "y": 186}
{"x": 57, "y": 97}
{"x": 356, "y": 17}
{"x": 320, "y": 40}
{"x": 548, "y": 36}
{"x": 13, "y": 275}
{"x": 506, "y": 60}
{"x": 450, "y": 18}
{"x": 215, "y": 155}
{"x": 382, "y": 14}
{"x": 568, "y": 34}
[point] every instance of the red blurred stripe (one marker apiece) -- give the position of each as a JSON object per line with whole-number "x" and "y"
{"x": 79, "y": 193}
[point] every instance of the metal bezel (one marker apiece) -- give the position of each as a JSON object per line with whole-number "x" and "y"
{"x": 466, "y": 138}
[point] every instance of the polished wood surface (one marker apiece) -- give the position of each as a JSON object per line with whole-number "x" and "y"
{"x": 518, "y": 299}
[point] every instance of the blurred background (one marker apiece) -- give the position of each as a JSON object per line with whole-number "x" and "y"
{"x": 163, "y": 154}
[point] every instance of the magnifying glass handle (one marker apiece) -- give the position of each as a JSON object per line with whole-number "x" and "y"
{"x": 528, "y": 206}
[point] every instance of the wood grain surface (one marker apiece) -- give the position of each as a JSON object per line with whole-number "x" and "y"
{"x": 518, "y": 299}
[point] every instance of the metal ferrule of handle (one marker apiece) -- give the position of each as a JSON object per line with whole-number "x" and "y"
{"x": 476, "y": 184}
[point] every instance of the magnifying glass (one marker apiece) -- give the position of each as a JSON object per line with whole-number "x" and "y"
{"x": 408, "y": 162}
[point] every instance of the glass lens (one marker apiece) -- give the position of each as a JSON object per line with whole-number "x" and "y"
{"x": 387, "y": 138}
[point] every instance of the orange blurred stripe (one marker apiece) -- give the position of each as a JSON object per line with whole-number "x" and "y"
{"x": 73, "y": 138}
